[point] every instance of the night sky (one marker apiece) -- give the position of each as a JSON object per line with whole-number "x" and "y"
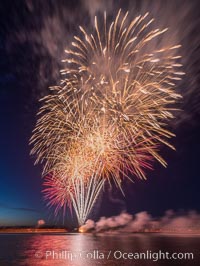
{"x": 33, "y": 35}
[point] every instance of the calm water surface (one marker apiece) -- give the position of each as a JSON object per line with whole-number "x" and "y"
{"x": 88, "y": 249}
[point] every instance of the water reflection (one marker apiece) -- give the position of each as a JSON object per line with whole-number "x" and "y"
{"x": 88, "y": 249}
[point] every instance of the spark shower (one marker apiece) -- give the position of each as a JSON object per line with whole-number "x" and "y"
{"x": 108, "y": 117}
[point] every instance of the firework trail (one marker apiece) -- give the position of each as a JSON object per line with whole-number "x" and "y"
{"x": 108, "y": 117}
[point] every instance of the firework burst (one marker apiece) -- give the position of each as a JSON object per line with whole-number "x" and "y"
{"x": 108, "y": 117}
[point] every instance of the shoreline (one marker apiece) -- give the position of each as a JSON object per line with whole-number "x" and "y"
{"x": 109, "y": 233}
{"x": 31, "y": 231}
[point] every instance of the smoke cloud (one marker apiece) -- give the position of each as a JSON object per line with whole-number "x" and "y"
{"x": 40, "y": 223}
{"x": 144, "y": 222}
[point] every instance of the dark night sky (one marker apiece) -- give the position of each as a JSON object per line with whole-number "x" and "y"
{"x": 33, "y": 35}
